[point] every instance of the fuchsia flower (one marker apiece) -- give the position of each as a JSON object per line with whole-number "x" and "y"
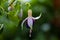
{"x": 30, "y": 21}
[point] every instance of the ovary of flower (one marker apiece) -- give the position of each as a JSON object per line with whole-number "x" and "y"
{"x": 1, "y": 26}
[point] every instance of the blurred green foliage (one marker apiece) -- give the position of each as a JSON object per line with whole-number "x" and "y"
{"x": 12, "y": 22}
